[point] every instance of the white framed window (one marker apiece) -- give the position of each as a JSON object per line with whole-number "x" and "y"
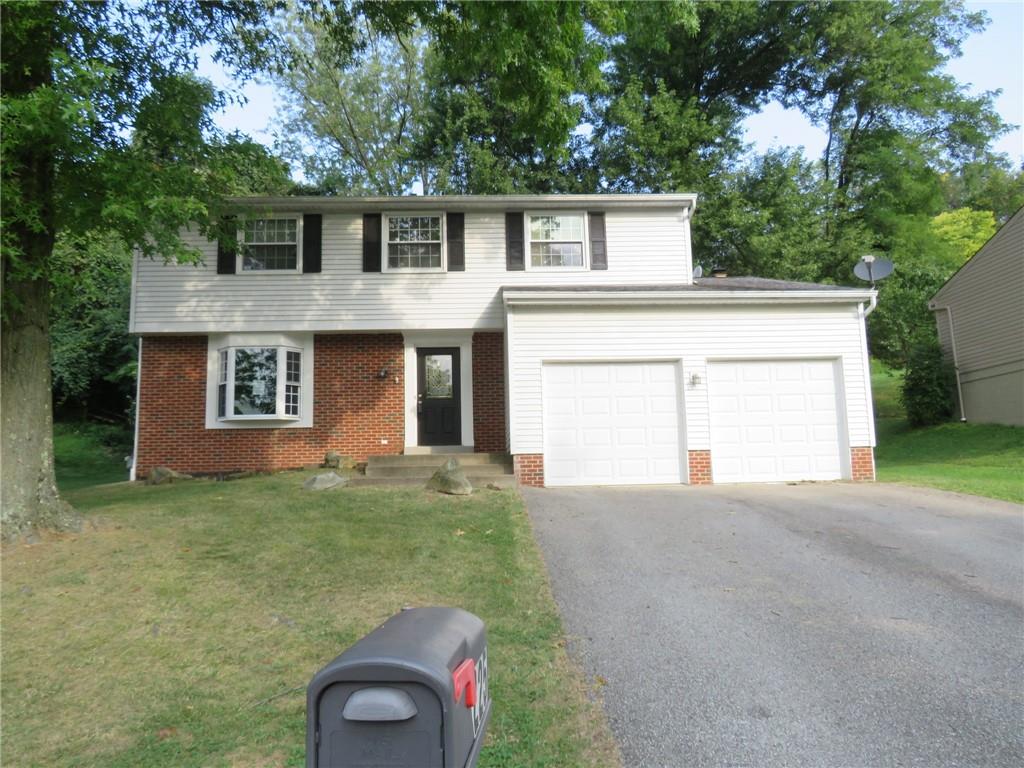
{"x": 270, "y": 245}
{"x": 556, "y": 240}
{"x": 259, "y": 383}
{"x": 413, "y": 242}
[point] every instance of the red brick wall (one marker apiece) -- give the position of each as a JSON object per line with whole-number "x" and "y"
{"x": 700, "y": 467}
{"x": 489, "y": 391}
{"x": 529, "y": 468}
{"x": 862, "y": 463}
{"x": 352, "y": 409}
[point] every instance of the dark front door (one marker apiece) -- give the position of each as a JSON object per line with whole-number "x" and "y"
{"x": 438, "y": 396}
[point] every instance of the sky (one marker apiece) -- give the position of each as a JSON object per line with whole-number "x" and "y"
{"x": 991, "y": 60}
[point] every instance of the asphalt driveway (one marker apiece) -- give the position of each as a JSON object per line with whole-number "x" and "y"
{"x": 813, "y": 625}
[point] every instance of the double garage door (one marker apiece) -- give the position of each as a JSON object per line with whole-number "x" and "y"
{"x": 622, "y": 423}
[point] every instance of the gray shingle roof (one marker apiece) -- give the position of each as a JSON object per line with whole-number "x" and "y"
{"x": 699, "y": 285}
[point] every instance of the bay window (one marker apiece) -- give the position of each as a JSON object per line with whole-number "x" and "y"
{"x": 259, "y": 383}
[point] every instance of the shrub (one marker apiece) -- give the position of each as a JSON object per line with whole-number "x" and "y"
{"x": 928, "y": 386}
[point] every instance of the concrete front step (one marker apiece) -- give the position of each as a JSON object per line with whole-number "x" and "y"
{"x": 425, "y": 471}
{"x": 435, "y": 460}
{"x": 478, "y": 483}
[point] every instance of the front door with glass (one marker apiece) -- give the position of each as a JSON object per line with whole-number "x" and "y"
{"x": 438, "y": 396}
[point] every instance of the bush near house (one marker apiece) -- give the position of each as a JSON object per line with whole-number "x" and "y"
{"x": 928, "y": 385}
{"x": 981, "y": 459}
{"x": 182, "y": 629}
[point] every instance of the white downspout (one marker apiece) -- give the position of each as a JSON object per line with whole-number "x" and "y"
{"x": 956, "y": 360}
{"x": 138, "y": 390}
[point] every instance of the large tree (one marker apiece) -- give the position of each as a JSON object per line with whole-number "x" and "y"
{"x": 103, "y": 131}
{"x": 351, "y": 121}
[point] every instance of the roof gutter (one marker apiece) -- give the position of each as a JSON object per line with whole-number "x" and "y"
{"x": 518, "y": 298}
{"x": 310, "y": 204}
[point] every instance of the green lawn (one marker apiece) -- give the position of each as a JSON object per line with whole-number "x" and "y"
{"x": 89, "y": 454}
{"x": 983, "y": 459}
{"x": 180, "y": 629}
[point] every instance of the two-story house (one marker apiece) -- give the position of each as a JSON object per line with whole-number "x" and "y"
{"x": 566, "y": 330}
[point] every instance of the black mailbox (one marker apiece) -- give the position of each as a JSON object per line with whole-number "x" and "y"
{"x": 411, "y": 693}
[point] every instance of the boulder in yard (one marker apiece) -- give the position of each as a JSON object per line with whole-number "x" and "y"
{"x": 324, "y": 482}
{"x": 161, "y": 475}
{"x": 335, "y": 460}
{"x": 450, "y": 479}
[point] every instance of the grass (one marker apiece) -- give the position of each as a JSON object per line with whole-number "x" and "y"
{"x": 89, "y": 454}
{"x": 981, "y": 459}
{"x": 180, "y": 628}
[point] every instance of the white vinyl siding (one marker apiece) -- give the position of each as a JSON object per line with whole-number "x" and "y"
{"x": 691, "y": 335}
{"x": 644, "y": 246}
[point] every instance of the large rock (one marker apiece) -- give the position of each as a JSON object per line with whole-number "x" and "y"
{"x": 335, "y": 460}
{"x": 324, "y": 482}
{"x": 161, "y": 475}
{"x": 450, "y": 479}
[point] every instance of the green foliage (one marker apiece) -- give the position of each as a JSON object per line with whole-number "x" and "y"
{"x": 93, "y": 356}
{"x": 964, "y": 231}
{"x": 504, "y": 94}
{"x": 352, "y": 123}
{"x": 928, "y": 386}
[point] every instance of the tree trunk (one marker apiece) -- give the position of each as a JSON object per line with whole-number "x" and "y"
{"x": 29, "y": 498}
{"x": 28, "y": 489}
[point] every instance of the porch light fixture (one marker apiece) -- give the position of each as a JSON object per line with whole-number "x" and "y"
{"x": 694, "y": 379}
{"x": 382, "y": 373}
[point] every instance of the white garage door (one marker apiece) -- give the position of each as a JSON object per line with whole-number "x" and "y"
{"x": 774, "y": 420}
{"x": 611, "y": 424}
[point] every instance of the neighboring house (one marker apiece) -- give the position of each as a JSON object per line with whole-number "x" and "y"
{"x": 565, "y": 330}
{"x": 980, "y": 316}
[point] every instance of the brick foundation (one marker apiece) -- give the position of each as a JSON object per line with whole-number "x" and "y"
{"x": 489, "y": 392}
{"x": 529, "y": 468}
{"x": 353, "y": 410}
{"x": 700, "y": 467}
{"x": 862, "y": 464}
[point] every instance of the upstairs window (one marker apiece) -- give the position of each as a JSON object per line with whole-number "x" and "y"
{"x": 270, "y": 245}
{"x": 259, "y": 383}
{"x": 414, "y": 242}
{"x": 556, "y": 240}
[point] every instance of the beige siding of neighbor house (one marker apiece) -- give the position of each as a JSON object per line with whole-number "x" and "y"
{"x": 979, "y": 314}
{"x": 645, "y": 245}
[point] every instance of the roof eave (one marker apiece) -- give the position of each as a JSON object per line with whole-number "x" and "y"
{"x": 513, "y": 298}
{"x": 465, "y": 202}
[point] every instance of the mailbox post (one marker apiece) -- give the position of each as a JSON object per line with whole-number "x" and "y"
{"x": 411, "y": 693}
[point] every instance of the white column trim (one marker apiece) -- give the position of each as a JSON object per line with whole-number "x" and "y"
{"x": 464, "y": 341}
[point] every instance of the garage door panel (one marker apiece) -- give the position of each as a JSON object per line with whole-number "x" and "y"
{"x": 774, "y": 421}
{"x": 625, "y": 424}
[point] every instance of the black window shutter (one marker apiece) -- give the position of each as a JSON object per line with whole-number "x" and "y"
{"x": 312, "y": 241}
{"x": 226, "y": 252}
{"x": 598, "y": 243}
{"x": 456, "y": 242}
{"x": 371, "y": 242}
{"x": 515, "y": 248}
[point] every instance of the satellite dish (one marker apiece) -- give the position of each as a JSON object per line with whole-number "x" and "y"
{"x": 871, "y": 269}
{"x": 698, "y": 271}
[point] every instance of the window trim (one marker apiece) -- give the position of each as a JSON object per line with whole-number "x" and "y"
{"x": 528, "y": 241}
{"x": 240, "y": 255}
{"x": 384, "y": 242}
{"x": 280, "y": 384}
